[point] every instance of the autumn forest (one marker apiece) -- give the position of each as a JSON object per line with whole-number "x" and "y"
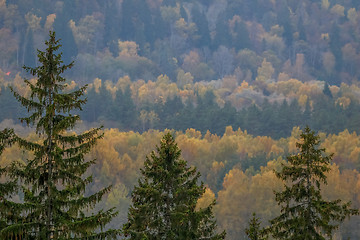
{"x": 235, "y": 82}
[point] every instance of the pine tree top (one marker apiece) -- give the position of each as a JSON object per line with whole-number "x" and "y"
{"x": 52, "y": 181}
{"x": 304, "y": 212}
{"x": 164, "y": 202}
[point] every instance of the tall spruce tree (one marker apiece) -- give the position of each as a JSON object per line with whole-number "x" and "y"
{"x": 52, "y": 183}
{"x": 164, "y": 202}
{"x": 305, "y": 215}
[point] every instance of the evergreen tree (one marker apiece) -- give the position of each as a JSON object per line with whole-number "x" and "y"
{"x": 64, "y": 32}
{"x": 52, "y": 182}
{"x": 10, "y": 108}
{"x": 123, "y": 109}
{"x": 254, "y": 232}
{"x": 241, "y": 39}
{"x": 305, "y": 214}
{"x": 203, "y": 39}
{"x": 327, "y": 91}
{"x": 164, "y": 202}
{"x": 222, "y": 36}
{"x": 8, "y": 212}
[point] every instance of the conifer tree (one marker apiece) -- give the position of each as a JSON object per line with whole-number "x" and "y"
{"x": 7, "y": 188}
{"x": 305, "y": 214}
{"x": 52, "y": 181}
{"x": 254, "y": 231}
{"x": 164, "y": 202}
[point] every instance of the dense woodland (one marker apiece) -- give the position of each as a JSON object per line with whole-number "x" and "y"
{"x": 236, "y": 80}
{"x": 261, "y": 66}
{"x": 236, "y": 167}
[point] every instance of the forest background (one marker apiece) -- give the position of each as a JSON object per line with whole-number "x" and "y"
{"x": 236, "y": 80}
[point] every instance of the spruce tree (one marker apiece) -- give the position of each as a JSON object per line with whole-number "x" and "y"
{"x": 7, "y": 189}
{"x": 305, "y": 214}
{"x": 164, "y": 202}
{"x": 52, "y": 182}
{"x": 254, "y": 231}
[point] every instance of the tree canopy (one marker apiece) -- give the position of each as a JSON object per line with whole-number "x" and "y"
{"x": 164, "y": 201}
{"x": 304, "y": 212}
{"x": 52, "y": 180}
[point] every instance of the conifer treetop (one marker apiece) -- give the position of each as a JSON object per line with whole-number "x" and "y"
{"x": 304, "y": 212}
{"x": 164, "y": 202}
{"x": 52, "y": 181}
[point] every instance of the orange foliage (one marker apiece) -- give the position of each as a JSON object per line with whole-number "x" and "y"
{"x": 120, "y": 155}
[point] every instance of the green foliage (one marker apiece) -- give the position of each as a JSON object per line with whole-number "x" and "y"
{"x": 254, "y": 232}
{"x": 326, "y": 90}
{"x": 52, "y": 182}
{"x": 164, "y": 202}
{"x": 304, "y": 212}
{"x": 7, "y": 214}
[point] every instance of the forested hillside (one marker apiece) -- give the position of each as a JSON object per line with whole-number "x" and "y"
{"x": 264, "y": 66}
{"x": 236, "y": 167}
{"x": 235, "y": 80}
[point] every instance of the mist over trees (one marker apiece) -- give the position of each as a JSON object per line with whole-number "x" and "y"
{"x": 252, "y": 54}
{"x": 236, "y": 80}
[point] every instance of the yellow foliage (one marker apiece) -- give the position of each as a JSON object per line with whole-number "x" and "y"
{"x": 338, "y": 10}
{"x": 206, "y": 199}
{"x": 325, "y": 36}
{"x": 303, "y": 100}
{"x": 289, "y": 87}
{"x": 109, "y": 86}
{"x": 162, "y": 81}
{"x": 350, "y": 91}
{"x": 312, "y": 89}
{"x": 344, "y": 102}
{"x": 344, "y": 146}
{"x": 184, "y": 79}
{"x": 244, "y": 85}
{"x": 265, "y": 72}
{"x": 341, "y": 185}
{"x": 276, "y": 150}
{"x": 20, "y": 86}
{"x": 229, "y": 82}
{"x": 97, "y": 84}
{"x": 283, "y": 77}
{"x": 352, "y": 15}
{"x": 334, "y": 90}
{"x": 120, "y": 155}
{"x": 33, "y": 21}
{"x": 192, "y": 133}
{"x": 85, "y": 31}
{"x": 277, "y": 30}
{"x": 229, "y": 131}
{"x": 355, "y": 154}
{"x": 71, "y": 86}
{"x": 128, "y": 48}
{"x": 325, "y": 4}
{"x": 185, "y": 29}
{"x": 123, "y": 83}
{"x": 293, "y": 139}
{"x": 241, "y": 195}
{"x": 118, "y": 193}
